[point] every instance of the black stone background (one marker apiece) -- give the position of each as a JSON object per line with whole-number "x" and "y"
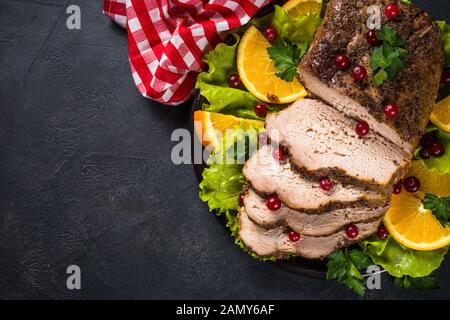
{"x": 86, "y": 177}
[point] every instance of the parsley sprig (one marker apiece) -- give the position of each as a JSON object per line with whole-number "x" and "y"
{"x": 345, "y": 266}
{"x": 440, "y": 206}
{"x": 287, "y": 55}
{"x": 423, "y": 283}
{"x": 388, "y": 59}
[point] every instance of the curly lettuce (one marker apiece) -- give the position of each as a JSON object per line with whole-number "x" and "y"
{"x": 445, "y": 30}
{"x": 439, "y": 164}
{"x": 213, "y": 84}
{"x": 399, "y": 261}
{"x": 299, "y": 30}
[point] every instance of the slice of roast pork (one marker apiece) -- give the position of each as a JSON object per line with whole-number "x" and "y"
{"x": 323, "y": 142}
{"x": 274, "y": 242}
{"x": 269, "y": 176}
{"x": 308, "y": 224}
{"x": 415, "y": 87}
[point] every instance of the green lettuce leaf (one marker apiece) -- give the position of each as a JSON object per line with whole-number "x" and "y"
{"x": 223, "y": 180}
{"x": 445, "y": 29}
{"x": 300, "y": 29}
{"x": 399, "y": 261}
{"x": 213, "y": 84}
{"x": 423, "y": 283}
{"x": 441, "y": 164}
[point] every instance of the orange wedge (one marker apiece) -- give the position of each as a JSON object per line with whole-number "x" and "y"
{"x": 430, "y": 180}
{"x": 414, "y": 226}
{"x": 441, "y": 115}
{"x": 209, "y": 126}
{"x": 257, "y": 71}
{"x": 297, "y": 7}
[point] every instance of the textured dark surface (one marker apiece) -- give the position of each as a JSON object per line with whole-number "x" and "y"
{"x": 86, "y": 177}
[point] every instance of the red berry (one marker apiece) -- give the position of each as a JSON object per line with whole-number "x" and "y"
{"x": 391, "y": 110}
{"x": 263, "y": 139}
{"x": 234, "y": 81}
{"x": 383, "y": 233}
{"x": 279, "y": 154}
{"x": 411, "y": 184}
{"x": 445, "y": 79}
{"x": 273, "y": 203}
{"x": 436, "y": 149}
{"x": 294, "y": 236}
{"x": 371, "y": 37}
{"x": 362, "y": 128}
{"x": 351, "y": 231}
{"x": 342, "y": 61}
{"x": 427, "y": 139}
{"x": 261, "y": 110}
{"x": 398, "y": 187}
{"x": 425, "y": 153}
{"x": 359, "y": 73}
{"x": 241, "y": 199}
{"x": 326, "y": 184}
{"x": 270, "y": 33}
{"x": 391, "y": 11}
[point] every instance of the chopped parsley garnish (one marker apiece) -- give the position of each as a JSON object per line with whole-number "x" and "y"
{"x": 440, "y": 206}
{"x": 287, "y": 55}
{"x": 345, "y": 266}
{"x": 388, "y": 59}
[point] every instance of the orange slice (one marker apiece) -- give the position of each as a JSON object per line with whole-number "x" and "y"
{"x": 441, "y": 115}
{"x": 257, "y": 71}
{"x": 297, "y": 7}
{"x": 430, "y": 180}
{"x": 209, "y": 126}
{"x": 414, "y": 226}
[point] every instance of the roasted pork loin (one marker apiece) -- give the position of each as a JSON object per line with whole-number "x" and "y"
{"x": 322, "y": 141}
{"x": 415, "y": 87}
{"x": 269, "y": 176}
{"x": 274, "y": 242}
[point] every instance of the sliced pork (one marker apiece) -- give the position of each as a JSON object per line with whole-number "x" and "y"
{"x": 415, "y": 88}
{"x": 274, "y": 242}
{"x": 308, "y": 224}
{"x": 270, "y": 176}
{"x": 322, "y": 141}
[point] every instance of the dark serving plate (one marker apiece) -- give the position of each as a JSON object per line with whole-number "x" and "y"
{"x": 311, "y": 268}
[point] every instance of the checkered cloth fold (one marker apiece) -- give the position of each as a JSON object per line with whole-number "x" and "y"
{"x": 167, "y": 39}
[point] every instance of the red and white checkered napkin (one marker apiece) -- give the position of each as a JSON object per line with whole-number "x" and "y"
{"x": 167, "y": 39}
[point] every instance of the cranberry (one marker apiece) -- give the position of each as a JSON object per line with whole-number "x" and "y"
{"x": 383, "y": 233}
{"x": 270, "y": 33}
{"x": 261, "y": 110}
{"x": 351, "y": 231}
{"x": 273, "y": 203}
{"x": 279, "y": 154}
{"x": 425, "y": 153}
{"x": 411, "y": 184}
{"x": 342, "y": 61}
{"x": 445, "y": 79}
{"x": 326, "y": 184}
{"x": 263, "y": 139}
{"x": 371, "y": 37}
{"x": 427, "y": 139}
{"x": 234, "y": 81}
{"x": 398, "y": 187}
{"x": 241, "y": 199}
{"x": 391, "y": 11}
{"x": 391, "y": 110}
{"x": 294, "y": 236}
{"x": 437, "y": 149}
{"x": 359, "y": 73}
{"x": 362, "y": 128}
